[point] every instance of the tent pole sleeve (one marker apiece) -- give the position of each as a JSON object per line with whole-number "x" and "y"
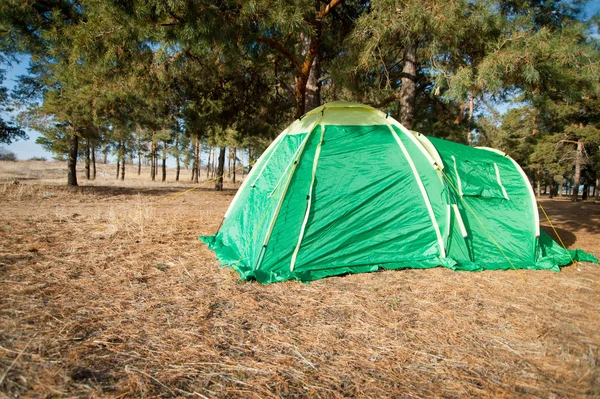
{"x": 434, "y": 222}
{"x": 534, "y": 208}
{"x": 500, "y": 181}
{"x": 536, "y": 214}
{"x": 461, "y": 224}
{"x": 285, "y": 171}
{"x": 458, "y": 181}
{"x": 287, "y": 184}
{"x": 310, "y": 196}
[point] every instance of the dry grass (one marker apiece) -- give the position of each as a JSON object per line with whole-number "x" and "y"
{"x": 97, "y": 305}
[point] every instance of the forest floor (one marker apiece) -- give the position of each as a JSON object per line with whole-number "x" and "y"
{"x": 104, "y": 296}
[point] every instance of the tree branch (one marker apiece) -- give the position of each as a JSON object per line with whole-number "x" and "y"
{"x": 275, "y": 45}
{"x": 328, "y": 9}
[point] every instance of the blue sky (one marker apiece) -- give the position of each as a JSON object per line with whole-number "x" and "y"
{"x": 25, "y": 149}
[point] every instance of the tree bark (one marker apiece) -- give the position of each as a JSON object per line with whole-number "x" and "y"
{"x": 93, "y": 162}
{"x": 123, "y": 149}
{"x": 118, "y": 159}
{"x": 229, "y": 158}
{"x": 408, "y": 90}
{"x": 306, "y": 101}
{"x": 178, "y": 169}
{"x": 164, "y": 162}
{"x": 234, "y": 160}
{"x": 72, "y": 160}
{"x": 199, "y": 151}
{"x": 177, "y": 160}
{"x": 87, "y": 159}
{"x": 105, "y": 154}
{"x": 213, "y": 168}
{"x": 195, "y": 164}
{"x": 139, "y": 149}
{"x": 153, "y": 161}
{"x": 220, "y": 170}
{"x": 577, "y": 176}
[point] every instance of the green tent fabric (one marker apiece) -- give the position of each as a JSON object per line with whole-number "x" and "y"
{"x": 347, "y": 189}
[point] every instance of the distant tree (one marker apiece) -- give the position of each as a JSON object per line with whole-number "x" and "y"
{"x": 6, "y": 155}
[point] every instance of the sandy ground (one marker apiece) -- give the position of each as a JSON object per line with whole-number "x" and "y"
{"x": 103, "y": 295}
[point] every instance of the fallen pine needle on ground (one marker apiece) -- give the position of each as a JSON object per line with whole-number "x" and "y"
{"x": 99, "y": 305}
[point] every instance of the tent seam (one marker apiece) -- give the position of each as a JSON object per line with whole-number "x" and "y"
{"x": 285, "y": 189}
{"x": 310, "y": 196}
{"x": 436, "y": 227}
{"x": 534, "y": 205}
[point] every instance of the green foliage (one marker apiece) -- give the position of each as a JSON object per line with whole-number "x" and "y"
{"x": 8, "y": 131}
{"x": 227, "y": 73}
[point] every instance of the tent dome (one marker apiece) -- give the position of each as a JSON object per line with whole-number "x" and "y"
{"x": 347, "y": 189}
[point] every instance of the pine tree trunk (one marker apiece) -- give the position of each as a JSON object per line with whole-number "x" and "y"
{"x": 178, "y": 162}
{"x": 72, "y": 160}
{"x": 229, "y": 152}
{"x": 220, "y": 170}
{"x": 234, "y": 160}
{"x": 307, "y": 98}
{"x": 313, "y": 87}
{"x": 408, "y": 90}
{"x": 213, "y": 169}
{"x": 199, "y": 150}
{"x": 250, "y": 164}
{"x": 93, "y": 162}
{"x": 164, "y": 162}
{"x": 118, "y": 159}
{"x": 153, "y": 161}
{"x": 156, "y": 159}
{"x": 105, "y": 154}
{"x": 597, "y": 189}
{"x": 577, "y": 176}
{"x": 87, "y": 159}
{"x": 196, "y": 164}
{"x": 139, "y": 149}
{"x": 123, "y": 155}
{"x": 470, "y": 132}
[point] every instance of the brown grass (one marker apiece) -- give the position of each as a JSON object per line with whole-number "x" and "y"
{"x": 97, "y": 305}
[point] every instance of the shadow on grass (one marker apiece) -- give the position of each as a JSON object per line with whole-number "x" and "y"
{"x": 567, "y": 237}
{"x": 113, "y": 191}
{"x": 577, "y": 217}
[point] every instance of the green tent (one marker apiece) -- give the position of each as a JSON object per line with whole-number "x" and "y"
{"x": 347, "y": 189}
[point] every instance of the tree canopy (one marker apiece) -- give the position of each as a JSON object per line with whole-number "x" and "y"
{"x": 162, "y": 78}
